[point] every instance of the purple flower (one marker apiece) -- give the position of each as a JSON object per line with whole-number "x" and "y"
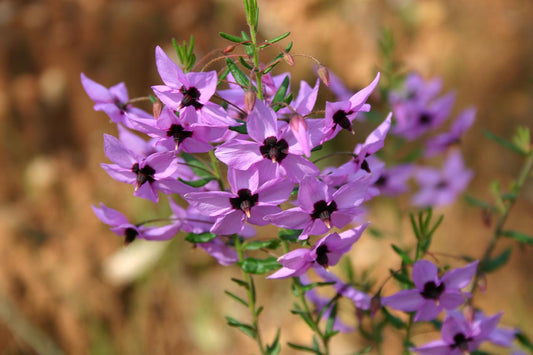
{"x": 339, "y": 115}
{"x": 149, "y": 175}
{"x": 122, "y": 227}
{"x": 326, "y": 252}
{"x": 189, "y": 92}
{"x": 178, "y": 133}
{"x": 271, "y": 150}
{"x": 360, "y": 299}
{"x": 250, "y": 200}
{"x": 113, "y": 101}
{"x": 441, "y": 142}
{"x": 393, "y": 181}
{"x": 432, "y": 294}
{"x": 460, "y": 336}
{"x": 438, "y": 188}
{"x": 319, "y": 209}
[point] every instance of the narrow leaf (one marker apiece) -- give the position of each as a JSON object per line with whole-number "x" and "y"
{"x": 282, "y": 90}
{"x": 199, "y": 182}
{"x": 496, "y": 262}
{"x": 242, "y": 129}
{"x": 260, "y": 244}
{"x": 259, "y": 266}
{"x": 245, "y": 328}
{"x": 503, "y": 142}
{"x": 275, "y": 347}
{"x": 518, "y": 236}
{"x": 237, "y": 298}
{"x": 200, "y": 238}
{"x": 406, "y": 259}
{"x": 289, "y": 235}
{"x": 279, "y": 38}
{"x": 303, "y": 348}
{"x": 197, "y": 166}
{"x": 231, "y": 38}
{"x": 240, "y": 282}
{"x": 237, "y": 73}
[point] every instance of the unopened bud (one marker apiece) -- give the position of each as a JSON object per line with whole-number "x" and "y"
{"x": 156, "y": 108}
{"x": 323, "y": 74}
{"x": 482, "y": 282}
{"x": 288, "y": 58}
{"x": 249, "y": 100}
{"x": 229, "y": 49}
{"x": 375, "y": 304}
{"x": 468, "y": 312}
{"x": 486, "y": 216}
{"x": 297, "y": 122}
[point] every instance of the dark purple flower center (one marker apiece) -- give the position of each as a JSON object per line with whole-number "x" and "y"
{"x": 179, "y": 134}
{"x": 432, "y": 291}
{"x": 190, "y": 97}
{"x": 340, "y": 118}
{"x": 130, "y": 234}
{"x": 364, "y": 164}
{"x": 143, "y": 175}
{"x": 441, "y": 185}
{"x": 425, "y": 118}
{"x": 323, "y": 210}
{"x": 460, "y": 341}
{"x": 381, "y": 181}
{"x": 245, "y": 201}
{"x": 322, "y": 255}
{"x": 120, "y": 105}
{"x": 274, "y": 150}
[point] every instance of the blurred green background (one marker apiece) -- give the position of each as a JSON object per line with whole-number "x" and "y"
{"x": 54, "y": 254}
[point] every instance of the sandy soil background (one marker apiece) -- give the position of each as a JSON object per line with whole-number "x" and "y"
{"x": 54, "y": 252}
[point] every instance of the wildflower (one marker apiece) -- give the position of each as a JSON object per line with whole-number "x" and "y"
{"x": 122, "y": 227}
{"x": 432, "y": 294}
{"x": 113, "y": 101}
{"x": 326, "y": 252}
{"x": 460, "y": 336}
{"x": 441, "y": 142}
{"x": 151, "y": 174}
{"x": 318, "y": 209}
{"x": 250, "y": 200}
{"x": 438, "y": 188}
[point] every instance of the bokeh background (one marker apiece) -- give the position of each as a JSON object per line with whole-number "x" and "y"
{"x": 58, "y": 288}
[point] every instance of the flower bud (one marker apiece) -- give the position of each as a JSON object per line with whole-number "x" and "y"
{"x": 297, "y": 122}
{"x": 288, "y": 58}
{"x": 486, "y": 216}
{"x": 229, "y": 49}
{"x": 156, "y": 108}
{"x": 249, "y": 100}
{"x": 468, "y": 312}
{"x": 323, "y": 74}
{"x": 482, "y": 282}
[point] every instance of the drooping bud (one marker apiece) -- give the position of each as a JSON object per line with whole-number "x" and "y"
{"x": 469, "y": 312}
{"x": 288, "y": 58}
{"x": 249, "y": 100}
{"x": 229, "y": 48}
{"x": 297, "y": 122}
{"x": 156, "y": 108}
{"x": 323, "y": 74}
{"x": 482, "y": 282}
{"x": 486, "y": 216}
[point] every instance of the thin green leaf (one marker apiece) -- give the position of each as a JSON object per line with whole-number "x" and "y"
{"x": 199, "y": 182}
{"x": 475, "y": 202}
{"x": 240, "y": 282}
{"x": 230, "y": 38}
{"x": 435, "y": 226}
{"x": 289, "y": 235}
{"x": 242, "y": 129}
{"x": 258, "y": 311}
{"x": 504, "y": 143}
{"x": 200, "y": 238}
{"x": 197, "y": 166}
{"x": 237, "y": 298}
{"x": 394, "y": 321}
{"x": 414, "y": 226}
{"x": 237, "y": 73}
{"x": 496, "y": 262}
{"x": 279, "y": 38}
{"x": 318, "y": 147}
{"x": 260, "y": 244}
{"x": 245, "y": 328}
{"x": 269, "y": 68}
{"x": 282, "y": 90}
{"x": 259, "y": 266}
{"x": 518, "y": 236}
{"x": 275, "y": 347}
{"x": 406, "y": 259}
{"x": 331, "y": 318}
{"x": 245, "y": 64}
{"x": 524, "y": 340}
{"x": 364, "y": 351}
{"x": 303, "y": 348}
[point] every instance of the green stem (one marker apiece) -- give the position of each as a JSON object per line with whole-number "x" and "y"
{"x": 214, "y": 162}
{"x": 250, "y": 290}
{"x": 517, "y": 188}
{"x": 407, "y": 340}
{"x": 250, "y": 5}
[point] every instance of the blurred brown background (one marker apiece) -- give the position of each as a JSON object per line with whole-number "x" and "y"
{"x": 53, "y": 250}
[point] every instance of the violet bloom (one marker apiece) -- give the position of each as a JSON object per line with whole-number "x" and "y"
{"x": 326, "y": 252}
{"x": 441, "y": 142}
{"x": 460, "y": 336}
{"x": 149, "y": 175}
{"x": 249, "y": 201}
{"x": 113, "y": 101}
{"x": 441, "y": 187}
{"x": 271, "y": 150}
{"x": 189, "y": 92}
{"x": 123, "y": 228}
{"x": 360, "y": 299}
{"x": 432, "y": 294}
{"x": 393, "y": 181}
{"x": 178, "y": 133}
{"x": 318, "y": 209}
{"x": 339, "y": 115}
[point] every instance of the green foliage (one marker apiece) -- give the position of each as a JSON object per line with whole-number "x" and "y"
{"x": 495, "y": 263}
{"x": 518, "y": 236}
{"x": 262, "y": 244}
{"x": 231, "y": 38}
{"x": 185, "y": 53}
{"x": 245, "y": 328}
{"x": 200, "y": 238}
{"x": 237, "y": 73}
{"x": 197, "y": 166}
{"x": 289, "y": 235}
{"x": 505, "y": 143}
{"x": 259, "y": 266}
{"x": 199, "y": 182}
